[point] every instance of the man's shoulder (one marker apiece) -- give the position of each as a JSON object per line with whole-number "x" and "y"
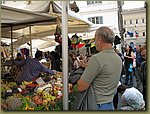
{"x": 104, "y": 55}
{"x": 100, "y": 54}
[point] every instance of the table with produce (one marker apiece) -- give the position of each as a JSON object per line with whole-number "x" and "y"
{"x": 44, "y": 93}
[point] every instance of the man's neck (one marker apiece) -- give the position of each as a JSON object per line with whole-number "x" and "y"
{"x": 106, "y": 46}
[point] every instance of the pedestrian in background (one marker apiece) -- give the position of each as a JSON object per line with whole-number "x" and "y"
{"x": 139, "y": 60}
{"x": 143, "y": 72}
{"x": 129, "y": 57}
{"x": 103, "y": 70}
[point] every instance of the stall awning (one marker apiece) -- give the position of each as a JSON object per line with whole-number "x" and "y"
{"x": 53, "y": 8}
{"x": 18, "y": 18}
{"x": 44, "y": 16}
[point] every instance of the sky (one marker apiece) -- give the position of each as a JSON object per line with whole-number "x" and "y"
{"x": 132, "y": 4}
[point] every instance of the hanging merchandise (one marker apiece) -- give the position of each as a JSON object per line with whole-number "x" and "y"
{"x": 57, "y": 34}
{"x": 58, "y": 30}
{"x": 117, "y": 40}
{"x": 74, "y": 7}
{"x": 75, "y": 39}
{"x": 92, "y": 41}
{"x": 28, "y": 2}
{"x": 92, "y": 44}
{"x": 80, "y": 45}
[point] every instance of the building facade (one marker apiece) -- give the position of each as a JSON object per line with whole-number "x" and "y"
{"x": 100, "y": 13}
{"x": 134, "y": 22}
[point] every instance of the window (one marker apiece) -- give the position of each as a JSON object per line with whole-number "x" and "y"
{"x": 101, "y": 20}
{"x": 144, "y": 34}
{"x": 125, "y": 22}
{"x": 125, "y": 35}
{"x": 3, "y": 2}
{"x": 136, "y": 21}
{"x": 96, "y": 20}
{"x": 93, "y": 2}
{"x": 143, "y": 20}
{"x": 130, "y": 21}
{"x": 90, "y": 2}
{"x": 90, "y": 19}
{"x": 98, "y": 1}
{"x": 93, "y": 20}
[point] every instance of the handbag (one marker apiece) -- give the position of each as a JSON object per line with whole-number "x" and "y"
{"x": 130, "y": 68}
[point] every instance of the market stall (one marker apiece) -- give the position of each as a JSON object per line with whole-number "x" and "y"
{"x": 21, "y": 90}
{"x": 44, "y": 93}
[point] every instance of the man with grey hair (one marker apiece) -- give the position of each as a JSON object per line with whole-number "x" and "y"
{"x": 103, "y": 70}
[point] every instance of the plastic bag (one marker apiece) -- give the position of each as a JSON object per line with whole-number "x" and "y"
{"x": 130, "y": 68}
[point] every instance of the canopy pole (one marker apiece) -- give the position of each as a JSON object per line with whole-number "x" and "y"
{"x": 12, "y": 56}
{"x": 30, "y": 42}
{"x": 65, "y": 53}
{"x": 120, "y": 21}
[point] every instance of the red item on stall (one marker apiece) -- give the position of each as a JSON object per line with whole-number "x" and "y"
{"x": 80, "y": 45}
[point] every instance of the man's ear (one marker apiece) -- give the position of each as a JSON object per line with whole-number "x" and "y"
{"x": 99, "y": 40}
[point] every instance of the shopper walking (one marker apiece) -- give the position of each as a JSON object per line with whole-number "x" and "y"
{"x": 103, "y": 70}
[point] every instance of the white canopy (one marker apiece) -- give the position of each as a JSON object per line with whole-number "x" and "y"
{"x": 40, "y": 29}
{"x": 18, "y": 18}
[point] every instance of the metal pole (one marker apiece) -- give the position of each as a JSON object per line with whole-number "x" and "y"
{"x": 120, "y": 20}
{"x": 65, "y": 53}
{"x": 12, "y": 57}
{"x": 30, "y": 41}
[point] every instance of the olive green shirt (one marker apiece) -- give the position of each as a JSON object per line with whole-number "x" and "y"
{"x": 103, "y": 72}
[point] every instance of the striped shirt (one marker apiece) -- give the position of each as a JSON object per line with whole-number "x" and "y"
{"x": 31, "y": 68}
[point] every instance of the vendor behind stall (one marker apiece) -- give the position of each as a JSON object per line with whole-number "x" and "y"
{"x": 19, "y": 57}
{"x": 31, "y": 68}
{"x": 16, "y": 70}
